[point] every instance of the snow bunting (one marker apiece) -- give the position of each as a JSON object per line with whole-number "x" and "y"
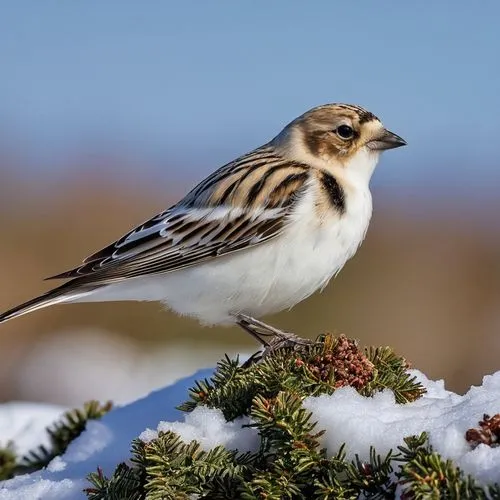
{"x": 257, "y": 236}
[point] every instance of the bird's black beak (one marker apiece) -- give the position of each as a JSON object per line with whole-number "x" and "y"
{"x": 386, "y": 140}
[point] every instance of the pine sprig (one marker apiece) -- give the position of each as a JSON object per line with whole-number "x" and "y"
{"x": 171, "y": 468}
{"x": 373, "y": 477}
{"x": 124, "y": 484}
{"x": 319, "y": 368}
{"x": 344, "y": 479}
{"x": 68, "y": 428}
{"x": 230, "y": 389}
{"x": 391, "y": 372}
{"x": 61, "y": 434}
{"x": 284, "y": 421}
{"x": 8, "y": 461}
{"x": 424, "y": 474}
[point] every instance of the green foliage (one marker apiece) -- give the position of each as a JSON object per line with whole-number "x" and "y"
{"x": 391, "y": 373}
{"x": 290, "y": 462}
{"x": 424, "y": 474}
{"x": 125, "y": 484}
{"x": 7, "y": 462}
{"x": 284, "y": 468}
{"x": 319, "y": 368}
{"x": 69, "y": 427}
{"x": 166, "y": 467}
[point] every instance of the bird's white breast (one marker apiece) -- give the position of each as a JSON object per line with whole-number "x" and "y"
{"x": 266, "y": 278}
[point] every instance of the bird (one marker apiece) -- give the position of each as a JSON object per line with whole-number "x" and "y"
{"x": 257, "y": 236}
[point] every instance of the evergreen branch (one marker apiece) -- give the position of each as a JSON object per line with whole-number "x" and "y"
{"x": 391, "y": 372}
{"x": 424, "y": 474}
{"x": 319, "y": 368}
{"x": 8, "y": 461}
{"x": 61, "y": 434}
{"x": 124, "y": 484}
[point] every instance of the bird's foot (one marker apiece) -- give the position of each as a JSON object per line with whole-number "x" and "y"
{"x": 273, "y": 339}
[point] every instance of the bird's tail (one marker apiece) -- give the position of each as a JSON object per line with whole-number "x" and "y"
{"x": 61, "y": 294}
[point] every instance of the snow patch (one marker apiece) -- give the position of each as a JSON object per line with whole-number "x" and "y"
{"x": 361, "y": 422}
{"x": 95, "y": 438}
{"x": 209, "y": 427}
{"x": 25, "y": 424}
{"x": 38, "y": 489}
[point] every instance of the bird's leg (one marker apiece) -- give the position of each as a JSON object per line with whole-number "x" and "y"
{"x": 257, "y": 336}
{"x": 258, "y": 329}
{"x": 276, "y": 338}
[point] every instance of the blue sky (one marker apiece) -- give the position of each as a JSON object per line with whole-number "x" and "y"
{"x": 201, "y": 82}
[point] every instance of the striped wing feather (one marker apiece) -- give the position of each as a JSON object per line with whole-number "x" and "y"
{"x": 240, "y": 205}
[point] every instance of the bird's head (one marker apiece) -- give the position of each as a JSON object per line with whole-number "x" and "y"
{"x": 338, "y": 134}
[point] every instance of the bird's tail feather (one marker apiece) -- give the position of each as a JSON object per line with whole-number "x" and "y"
{"x": 58, "y": 295}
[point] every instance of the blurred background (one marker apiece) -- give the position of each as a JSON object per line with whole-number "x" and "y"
{"x": 110, "y": 111}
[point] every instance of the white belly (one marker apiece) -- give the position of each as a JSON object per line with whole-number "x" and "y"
{"x": 264, "y": 279}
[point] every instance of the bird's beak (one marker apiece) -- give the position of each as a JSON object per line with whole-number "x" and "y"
{"x": 386, "y": 140}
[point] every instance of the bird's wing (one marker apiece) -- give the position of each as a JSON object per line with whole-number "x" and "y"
{"x": 187, "y": 235}
{"x": 243, "y": 204}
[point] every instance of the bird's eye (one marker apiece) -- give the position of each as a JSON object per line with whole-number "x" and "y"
{"x": 345, "y": 132}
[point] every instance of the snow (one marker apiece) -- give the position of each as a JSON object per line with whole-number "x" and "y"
{"x": 38, "y": 489}
{"x": 25, "y": 423}
{"x": 346, "y": 416}
{"x": 209, "y": 427}
{"x": 360, "y": 422}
